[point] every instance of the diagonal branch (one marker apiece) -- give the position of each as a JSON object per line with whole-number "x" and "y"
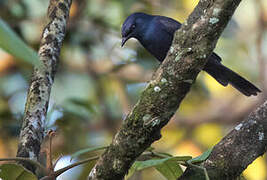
{"x": 237, "y": 150}
{"x": 192, "y": 44}
{"x": 32, "y": 131}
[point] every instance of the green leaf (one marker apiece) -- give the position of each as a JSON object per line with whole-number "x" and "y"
{"x": 87, "y": 150}
{"x": 160, "y": 164}
{"x": 163, "y": 154}
{"x": 201, "y": 158}
{"x": 171, "y": 170}
{"x": 11, "y": 43}
{"x": 154, "y": 162}
{"x": 15, "y": 172}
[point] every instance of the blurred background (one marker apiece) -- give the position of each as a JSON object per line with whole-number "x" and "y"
{"x": 98, "y": 82}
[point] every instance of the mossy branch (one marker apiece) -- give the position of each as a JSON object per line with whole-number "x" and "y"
{"x": 237, "y": 150}
{"x": 191, "y": 46}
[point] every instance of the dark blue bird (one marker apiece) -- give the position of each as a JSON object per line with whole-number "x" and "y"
{"x": 155, "y": 33}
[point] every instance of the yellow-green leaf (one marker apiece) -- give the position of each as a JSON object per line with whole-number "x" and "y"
{"x": 171, "y": 170}
{"x": 169, "y": 164}
{"x": 15, "y": 172}
{"x": 201, "y": 158}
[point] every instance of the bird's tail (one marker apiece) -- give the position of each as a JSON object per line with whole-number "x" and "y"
{"x": 226, "y": 76}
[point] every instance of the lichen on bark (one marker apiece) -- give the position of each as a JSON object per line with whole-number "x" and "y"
{"x": 33, "y": 127}
{"x": 236, "y": 150}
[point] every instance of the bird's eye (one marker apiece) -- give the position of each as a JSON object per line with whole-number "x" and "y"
{"x": 133, "y": 26}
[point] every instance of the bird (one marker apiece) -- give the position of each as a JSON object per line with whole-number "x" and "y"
{"x": 155, "y": 33}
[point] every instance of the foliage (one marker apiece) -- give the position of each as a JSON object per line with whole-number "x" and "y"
{"x": 11, "y": 43}
{"x": 98, "y": 82}
{"x": 200, "y": 158}
{"x": 168, "y": 167}
{"x": 16, "y": 172}
{"x": 166, "y": 164}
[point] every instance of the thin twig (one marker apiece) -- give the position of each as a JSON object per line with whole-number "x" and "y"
{"x": 35, "y": 163}
{"x": 60, "y": 171}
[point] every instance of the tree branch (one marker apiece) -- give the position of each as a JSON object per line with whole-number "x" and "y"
{"x": 192, "y": 44}
{"x": 237, "y": 150}
{"x": 32, "y": 131}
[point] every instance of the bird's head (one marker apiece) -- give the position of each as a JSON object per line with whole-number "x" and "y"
{"x": 134, "y": 26}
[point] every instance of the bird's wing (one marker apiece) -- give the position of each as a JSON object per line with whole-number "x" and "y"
{"x": 168, "y": 25}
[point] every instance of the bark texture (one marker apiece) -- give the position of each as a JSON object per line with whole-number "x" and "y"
{"x": 33, "y": 127}
{"x": 232, "y": 155}
{"x": 191, "y": 46}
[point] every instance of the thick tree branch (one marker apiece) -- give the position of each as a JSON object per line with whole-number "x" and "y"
{"x": 192, "y": 44}
{"x": 32, "y": 131}
{"x": 237, "y": 150}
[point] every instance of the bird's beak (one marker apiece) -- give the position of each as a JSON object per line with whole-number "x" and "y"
{"x": 123, "y": 41}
